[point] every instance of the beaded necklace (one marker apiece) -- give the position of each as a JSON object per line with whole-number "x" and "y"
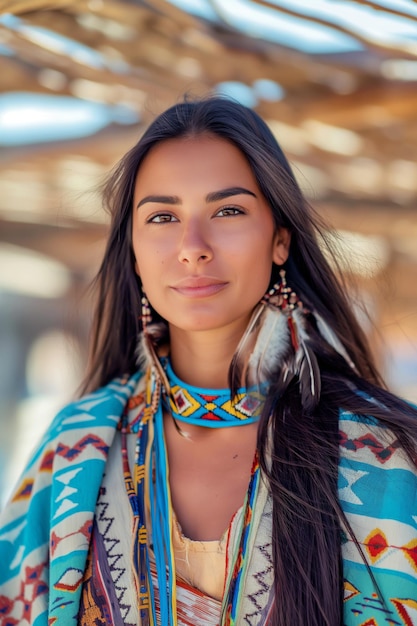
{"x": 212, "y": 408}
{"x": 150, "y": 497}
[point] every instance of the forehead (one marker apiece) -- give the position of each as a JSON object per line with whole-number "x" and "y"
{"x": 201, "y": 158}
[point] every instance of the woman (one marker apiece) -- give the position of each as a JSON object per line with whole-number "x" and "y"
{"x": 237, "y": 459}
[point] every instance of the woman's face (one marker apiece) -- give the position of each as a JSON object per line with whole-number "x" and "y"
{"x": 203, "y": 235}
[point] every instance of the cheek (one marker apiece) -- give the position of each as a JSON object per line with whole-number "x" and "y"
{"x": 136, "y": 265}
{"x": 136, "y": 258}
{"x": 140, "y": 255}
{"x": 259, "y": 262}
{"x": 150, "y": 266}
{"x": 255, "y": 252}
{"x": 142, "y": 252}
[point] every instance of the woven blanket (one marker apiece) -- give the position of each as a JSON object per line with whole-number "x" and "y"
{"x": 45, "y": 530}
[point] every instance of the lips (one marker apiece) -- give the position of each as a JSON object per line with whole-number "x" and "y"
{"x": 199, "y": 286}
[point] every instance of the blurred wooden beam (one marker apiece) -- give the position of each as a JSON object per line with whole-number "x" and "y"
{"x": 395, "y": 49}
{"x": 387, "y": 9}
{"x": 24, "y": 6}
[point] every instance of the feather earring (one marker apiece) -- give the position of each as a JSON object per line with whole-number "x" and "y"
{"x": 272, "y": 347}
{"x": 266, "y": 344}
{"x": 153, "y": 334}
{"x": 276, "y": 344}
{"x": 238, "y": 372}
{"x": 155, "y": 337}
{"x": 305, "y": 364}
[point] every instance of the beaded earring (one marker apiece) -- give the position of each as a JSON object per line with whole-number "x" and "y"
{"x": 146, "y": 316}
{"x": 282, "y": 296}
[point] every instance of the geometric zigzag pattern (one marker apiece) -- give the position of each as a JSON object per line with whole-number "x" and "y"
{"x": 212, "y": 407}
{"x": 57, "y": 497}
{"x": 260, "y": 593}
{"x": 72, "y": 452}
{"x": 106, "y": 523}
{"x": 381, "y": 451}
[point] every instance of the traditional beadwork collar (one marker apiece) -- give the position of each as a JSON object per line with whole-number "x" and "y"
{"x": 213, "y": 408}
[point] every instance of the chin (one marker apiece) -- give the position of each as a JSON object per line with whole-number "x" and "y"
{"x": 202, "y": 323}
{"x": 198, "y": 326}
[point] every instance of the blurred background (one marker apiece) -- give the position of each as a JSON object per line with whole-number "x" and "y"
{"x": 79, "y": 81}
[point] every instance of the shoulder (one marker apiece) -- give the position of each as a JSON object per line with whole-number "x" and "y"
{"x": 371, "y": 446}
{"x": 377, "y": 489}
{"x": 96, "y": 414}
{"x": 101, "y": 407}
{"x": 80, "y": 435}
{"x": 57, "y": 493}
{"x": 376, "y": 475}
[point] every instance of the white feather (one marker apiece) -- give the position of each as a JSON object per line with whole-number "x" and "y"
{"x": 332, "y": 339}
{"x": 271, "y": 347}
{"x": 156, "y": 335}
{"x": 305, "y": 364}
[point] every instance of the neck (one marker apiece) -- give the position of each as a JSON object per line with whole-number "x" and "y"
{"x": 203, "y": 358}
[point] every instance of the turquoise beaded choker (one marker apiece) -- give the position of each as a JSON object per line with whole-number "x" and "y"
{"x": 212, "y": 408}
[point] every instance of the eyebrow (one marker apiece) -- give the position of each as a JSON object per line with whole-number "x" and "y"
{"x": 213, "y": 196}
{"x": 159, "y": 200}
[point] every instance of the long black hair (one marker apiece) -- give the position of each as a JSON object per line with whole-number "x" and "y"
{"x": 307, "y": 515}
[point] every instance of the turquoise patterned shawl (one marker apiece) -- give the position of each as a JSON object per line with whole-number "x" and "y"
{"x": 45, "y": 529}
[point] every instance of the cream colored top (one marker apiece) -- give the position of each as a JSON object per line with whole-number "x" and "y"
{"x": 200, "y": 563}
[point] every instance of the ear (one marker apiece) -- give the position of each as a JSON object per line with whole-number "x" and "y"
{"x": 137, "y": 268}
{"x": 281, "y": 246}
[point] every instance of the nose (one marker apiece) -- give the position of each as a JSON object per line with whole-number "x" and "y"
{"x": 194, "y": 245}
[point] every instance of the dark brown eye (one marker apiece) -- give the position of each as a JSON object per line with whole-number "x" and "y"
{"x": 161, "y": 218}
{"x": 229, "y": 210}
